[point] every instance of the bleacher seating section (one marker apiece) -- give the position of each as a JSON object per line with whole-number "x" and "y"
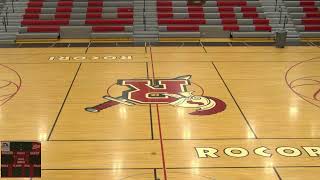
{"x": 76, "y": 19}
{"x": 306, "y": 16}
{"x": 178, "y": 18}
{"x": 36, "y": 19}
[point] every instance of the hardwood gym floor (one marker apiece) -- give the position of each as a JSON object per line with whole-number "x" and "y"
{"x": 264, "y": 122}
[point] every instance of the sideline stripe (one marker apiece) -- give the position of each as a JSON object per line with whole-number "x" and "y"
{"x": 159, "y": 125}
{"x": 245, "y": 118}
{"x": 64, "y": 101}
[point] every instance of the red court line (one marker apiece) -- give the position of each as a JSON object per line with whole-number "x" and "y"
{"x": 315, "y": 96}
{"x": 159, "y": 125}
{"x": 289, "y": 85}
{"x": 17, "y": 85}
{"x": 161, "y": 143}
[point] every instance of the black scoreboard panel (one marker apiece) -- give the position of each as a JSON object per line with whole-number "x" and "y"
{"x": 20, "y": 159}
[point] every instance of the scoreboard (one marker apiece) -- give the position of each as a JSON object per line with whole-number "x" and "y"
{"x": 20, "y": 159}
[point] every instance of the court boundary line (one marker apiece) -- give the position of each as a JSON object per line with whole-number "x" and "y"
{"x": 86, "y": 62}
{"x": 161, "y": 143}
{"x": 225, "y": 84}
{"x": 178, "y": 168}
{"x": 155, "y": 174}
{"x": 170, "y": 52}
{"x": 139, "y": 62}
{"x": 212, "y": 139}
{"x": 145, "y": 48}
{"x": 150, "y": 108}
{"x": 87, "y": 47}
{"x": 100, "y": 140}
{"x": 63, "y": 103}
{"x": 277, "y": 173}
{"x": 225, "y": 52}
{"x": 143, "y": 53}
{"x": 159, "y": 122}
{"x": 151, "y": 122}
{"x": 236, "y": 167}
{"x": 203, "y": 47}
{"x": 164, "y": 139}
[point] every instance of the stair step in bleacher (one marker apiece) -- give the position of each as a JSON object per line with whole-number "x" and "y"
{"x": 215, "y": 27}
{"x": 306, "y": 16}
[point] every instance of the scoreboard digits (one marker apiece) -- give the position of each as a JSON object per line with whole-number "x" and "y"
{"x": 20, "y": 159}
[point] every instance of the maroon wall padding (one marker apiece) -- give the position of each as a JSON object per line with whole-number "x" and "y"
{"x": 35, "y": 4}
{"x": 307, "y": 3}
{"x": 312, "y": 28}
{"x": 65, "y": 3}
{"x": 231, "y": 27}
{"x": 226, "y": 9}
{"x": 248, "y": 9}
{"x": 62, "y": 16}
{"x": 196, "y": 15}
{"x": 182, "y": 28}
{"x": 44, "y": 29}
{"x": 312, "y": 15}
{"x": 260, "y": 21}
{"x": 44, "y": 22}
{"x": 250, "y": 15}
{"x": 229, "y": 21}
{"x": 195, "y": 9}
{"x": 310, "y": 9}
{"x": 227, "y": 15}
{"x": 311, "y": 21}
{"x": 165, "y": 15}
{"x": 181, "y": 21}
{"x": 33, "y": 10}
{"x": 125, "y": 15}
{"x": 110, "y": 21}
{"x": 107, "y": 28}
{"x": 93, "y": 15}
{"x": 63, "y": 9}
{"x": 263, "y": 28}
{"x": 31, "y": 16}
{"x": 94, "y": 10}
{"x": 120, "y": 10}
{"x": 164, "y": 9}
{"x": 95, "y": 3}
{"x": 231, "y": 3}
{"x": 164, "y": 3}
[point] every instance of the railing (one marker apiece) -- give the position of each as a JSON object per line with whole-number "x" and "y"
{"x": 286, "y": 19}
{"x": 4, "y": 15}
{"x": 144, "y": 15}
{"x": 7, "y": 19}
{"x": 280, "y": 10}
{"x": 4, "y": 23}
{"x": 12, "y": 5}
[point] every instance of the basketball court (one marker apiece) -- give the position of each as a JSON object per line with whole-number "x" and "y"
{"x": 165, "y": 112}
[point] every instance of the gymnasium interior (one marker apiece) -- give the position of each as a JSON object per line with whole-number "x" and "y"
{"x": 160, "y": 89}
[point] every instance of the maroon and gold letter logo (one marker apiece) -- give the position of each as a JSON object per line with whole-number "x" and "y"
{"x": 162, "y": 91}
